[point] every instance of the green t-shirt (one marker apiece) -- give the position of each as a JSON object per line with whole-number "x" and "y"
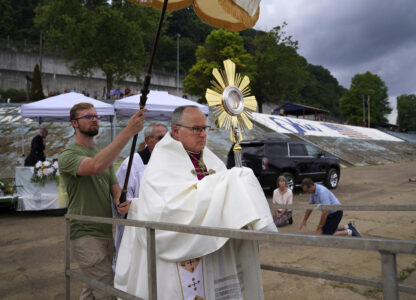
{"x": 88, "y": 195}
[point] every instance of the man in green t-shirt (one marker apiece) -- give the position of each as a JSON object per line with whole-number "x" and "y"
{"x": 90, "y": 182}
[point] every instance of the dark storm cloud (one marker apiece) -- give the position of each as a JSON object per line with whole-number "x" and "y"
{"x": 352, "y": 36}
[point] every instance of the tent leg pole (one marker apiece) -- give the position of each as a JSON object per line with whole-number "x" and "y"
{"x": 112, "y": 129}
{"x": 22, "y": 131}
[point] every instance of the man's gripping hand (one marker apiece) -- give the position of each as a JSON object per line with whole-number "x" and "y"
{"x": 122, "y": 208}
{"x": 136, "y": 122}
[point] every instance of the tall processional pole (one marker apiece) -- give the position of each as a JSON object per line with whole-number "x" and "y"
{"x": 143, "y": 99}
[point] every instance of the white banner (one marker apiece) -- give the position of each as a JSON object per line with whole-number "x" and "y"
{"x": 318, "y": 128}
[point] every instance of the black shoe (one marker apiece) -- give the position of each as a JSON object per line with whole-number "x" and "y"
{"x": 290, "y": 221}
{"x": 354, "y": 230}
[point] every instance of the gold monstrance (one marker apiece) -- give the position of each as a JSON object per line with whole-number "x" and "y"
{"x": 229, "y": 96}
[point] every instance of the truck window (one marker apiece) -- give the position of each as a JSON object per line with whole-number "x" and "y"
{"x": 255, "y": 150}
{"x": 312, "y": 150}
{"x": 297, "y": 150}
{"x": 276, "y": 150}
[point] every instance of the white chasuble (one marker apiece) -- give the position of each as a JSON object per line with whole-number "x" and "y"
{"x": 170, "y": 192}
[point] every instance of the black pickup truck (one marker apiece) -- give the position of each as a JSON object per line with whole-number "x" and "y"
{"x": 270, "y": 158}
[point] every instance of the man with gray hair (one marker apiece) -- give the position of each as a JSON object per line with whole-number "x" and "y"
{"x": 185, "y": 183}
{"x": 152, "y": 134}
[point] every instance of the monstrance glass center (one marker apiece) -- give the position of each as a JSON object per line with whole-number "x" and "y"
{"x": 233, "y": 100}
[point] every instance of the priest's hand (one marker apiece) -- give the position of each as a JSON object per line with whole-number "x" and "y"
{"x": 122, "y": 208}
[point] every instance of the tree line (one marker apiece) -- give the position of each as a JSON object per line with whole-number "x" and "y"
{"x": 117, "y": 36}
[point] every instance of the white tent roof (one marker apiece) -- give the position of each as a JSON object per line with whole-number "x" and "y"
{"x": 57, "y": 108}
{"x": 159, "y": 105}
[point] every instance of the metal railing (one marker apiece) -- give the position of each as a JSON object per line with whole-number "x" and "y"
{"x": 358, "y": 207}
{"x": 388, "y": 249}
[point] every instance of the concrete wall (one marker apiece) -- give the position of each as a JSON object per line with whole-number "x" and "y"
{"x": 56, "y": 77}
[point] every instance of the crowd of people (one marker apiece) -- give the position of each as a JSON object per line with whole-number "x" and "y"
{"x": 174, "y": 179}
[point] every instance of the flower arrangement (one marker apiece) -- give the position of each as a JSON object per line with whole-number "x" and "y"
{"x": 6, "y": 188}
{"x": 45, "y": 171}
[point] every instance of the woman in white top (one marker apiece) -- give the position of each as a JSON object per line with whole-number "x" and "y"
{"x": 282, "y": 195}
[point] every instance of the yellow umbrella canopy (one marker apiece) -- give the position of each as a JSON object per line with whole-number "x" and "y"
{"x": 234, "y": 15}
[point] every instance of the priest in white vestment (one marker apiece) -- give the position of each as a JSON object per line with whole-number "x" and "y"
{"x": 186, "y": 183}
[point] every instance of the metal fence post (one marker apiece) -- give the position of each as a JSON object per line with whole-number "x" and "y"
{"x": 151, "y": 264}
{"x": 389, "y": 275}
{"x": 67, "y": 261}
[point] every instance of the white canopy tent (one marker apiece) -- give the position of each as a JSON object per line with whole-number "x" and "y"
{"x": 57, "y": 108}
{"x": 159, "y": 105}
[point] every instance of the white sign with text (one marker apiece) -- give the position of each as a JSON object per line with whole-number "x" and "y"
{"x": 318, "y": 128}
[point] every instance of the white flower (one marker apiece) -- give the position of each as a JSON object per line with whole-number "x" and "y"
{"x": 55, "y": 164}
{"x": 48, "y": 171}
{"x": 38, "y": 164}
{"x": 46, "y": 163}
{"x": 39, "y": 173}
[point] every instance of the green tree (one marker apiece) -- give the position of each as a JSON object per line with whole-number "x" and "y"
{"x": 193, "y": 32}
{"x": 36, "y": 90}
{"x": 280, "y": 72}
{"x": 406, "y": 112}
{"x": 95, "y": 35}
{"x": 322, "y": 90}
{"x": 219, "y": 45}
{"x": 16, "y": 19}
{"x": 364, "y": 86}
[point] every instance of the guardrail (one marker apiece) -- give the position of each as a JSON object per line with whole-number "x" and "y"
{"x": 388, "y": 249}
{"x": 359, "y": 207}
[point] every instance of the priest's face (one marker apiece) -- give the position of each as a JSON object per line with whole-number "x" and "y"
{"x": 190, "y": 138}
{"x": 158, "y": 133}
{"x": 87, "y": 122}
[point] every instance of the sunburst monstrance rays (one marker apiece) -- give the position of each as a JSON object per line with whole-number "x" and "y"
{"x": 229, "y": 96}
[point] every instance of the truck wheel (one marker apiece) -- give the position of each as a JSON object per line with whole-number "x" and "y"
{"x": 290, "y": 180}
{"x": 332, "y": 179}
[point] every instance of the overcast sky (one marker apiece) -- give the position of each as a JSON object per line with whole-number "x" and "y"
{"x": 352, "y": 36}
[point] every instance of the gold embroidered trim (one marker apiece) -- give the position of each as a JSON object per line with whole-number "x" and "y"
{"x": 180, "y": 281}
{"x": 240, "y": 14}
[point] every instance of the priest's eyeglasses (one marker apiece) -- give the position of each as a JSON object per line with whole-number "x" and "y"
{"x": 196, "y": 129}
{"x": 89, "y": 117}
